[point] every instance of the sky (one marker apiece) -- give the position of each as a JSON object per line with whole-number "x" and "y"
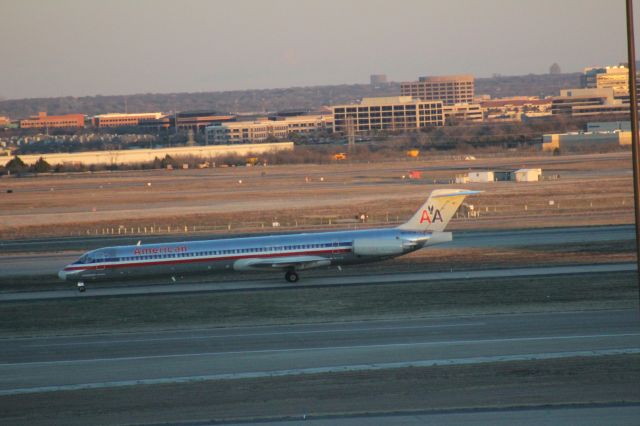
{"x": 119, "y": 47}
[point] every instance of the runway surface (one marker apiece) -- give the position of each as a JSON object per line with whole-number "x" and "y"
{"x": 46, "y": 364}
{"x": 275, "y": 283}
{"x": 547, "y": 416}
{"x": 40, "y": 262}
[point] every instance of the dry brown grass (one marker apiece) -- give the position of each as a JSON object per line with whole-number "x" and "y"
{"x": 592, "y": 189}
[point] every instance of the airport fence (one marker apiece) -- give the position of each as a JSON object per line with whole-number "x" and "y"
{"x": 563, "y": 206}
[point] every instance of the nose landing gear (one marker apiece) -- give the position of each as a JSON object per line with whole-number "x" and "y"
{"x": 81, "y": 287}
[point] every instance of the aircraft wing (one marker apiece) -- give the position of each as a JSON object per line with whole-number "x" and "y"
{"x": 287, "y": 262}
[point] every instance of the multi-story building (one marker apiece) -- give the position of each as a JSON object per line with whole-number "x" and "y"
{"x": 619, "y": 82}
{"x": 44, "y": 121}
{"x": 199, "y": 120}
{"x": 246, "y": 132}
{"x": 463, "y": 112}
{"x": 387, "y": 113}
{"x": 603, "y": 77}
{"x": 4, "y": 121}
{"x": 306, "y": 123}
{"x": 616, "y": 78}
{"x": 188, "y": 120}
{"x": 587, "y": 102}
{"x": 259, "y": 130}
{"x": 514, "y": 108}
{"x": 450, "y": 89}
{"x": 589, "y": 77}
{"x": 124, "y": 120}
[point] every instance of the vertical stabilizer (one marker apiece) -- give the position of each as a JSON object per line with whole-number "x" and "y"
{"x": 437, "y": 211}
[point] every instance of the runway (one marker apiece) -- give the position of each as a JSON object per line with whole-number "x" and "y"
{"x": 546, "y": 416}
{"x": 46, "y": 364}
{"x": 97, "y": 290}
{"x": 69, "y": 249}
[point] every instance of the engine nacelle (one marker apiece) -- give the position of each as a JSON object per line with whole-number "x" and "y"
{"x": 377, "y": 247}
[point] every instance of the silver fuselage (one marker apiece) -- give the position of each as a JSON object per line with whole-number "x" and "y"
{"x": 224, "y": 254}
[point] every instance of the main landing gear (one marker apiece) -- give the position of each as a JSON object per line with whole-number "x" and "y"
{"x": 291, "y": 276}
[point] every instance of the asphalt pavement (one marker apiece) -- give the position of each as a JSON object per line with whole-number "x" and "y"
{"x": 589, "y": 415}
{"x": 48, "y": 364}
{"x": 275, "y": 283}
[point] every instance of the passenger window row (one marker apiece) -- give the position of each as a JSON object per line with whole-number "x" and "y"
{"x": 213, "y": 253}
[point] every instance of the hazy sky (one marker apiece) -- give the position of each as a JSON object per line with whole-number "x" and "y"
{"x": 87, "y": 47}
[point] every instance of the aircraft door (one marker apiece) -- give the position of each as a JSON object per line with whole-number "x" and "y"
{"x": 101, "y": 258}
{"x": 335, "y": 250}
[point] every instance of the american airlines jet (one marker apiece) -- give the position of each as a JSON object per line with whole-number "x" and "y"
{"x": 288, "y": 253}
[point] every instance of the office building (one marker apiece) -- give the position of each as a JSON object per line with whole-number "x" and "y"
{"x": 305, "y": 123}
{"x": 462, "y": 112}
{"x": 199, "y": 120}
{"x": 587, "y": 102}
{"x": 261, "y": 129}
{"x": 246, "y": 132}
{"x": 185, "y": 121}
{"x": 616, "y": 78}
{"x": 44, "y": 121}
{"x": 387, "y": 114}
{"x": 450, "y": 89}
{"x": 603, "y": 77}
{"x": 124, "y": 120}
{"x": 515, "y": 108}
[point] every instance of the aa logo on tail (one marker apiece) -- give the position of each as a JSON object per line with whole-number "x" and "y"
{"x": 430, "y": 216}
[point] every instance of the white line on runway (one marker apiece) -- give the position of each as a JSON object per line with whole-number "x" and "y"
{"x": 321, "y": 370}
{"x": 279, "y": 333}
{"x": 321, "y": 348}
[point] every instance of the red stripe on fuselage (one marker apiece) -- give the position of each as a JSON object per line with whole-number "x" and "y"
{"x": 157, "y": 262}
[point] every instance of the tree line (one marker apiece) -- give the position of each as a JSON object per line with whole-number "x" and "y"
{"x": 269, "y": 100}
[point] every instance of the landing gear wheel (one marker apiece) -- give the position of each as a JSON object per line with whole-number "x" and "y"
{"x": 291, "y": 276}
{"x": 81, "y": 287}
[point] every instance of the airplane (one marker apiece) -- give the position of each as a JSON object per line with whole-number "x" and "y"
{"x": 290, "y": 253}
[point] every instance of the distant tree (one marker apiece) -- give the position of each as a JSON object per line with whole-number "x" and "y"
{"x": 157, "y": 163}
{"x": 555, "y": 69}
{"x": 168, "y": 161}
{"x": 16, "y": 165}
{"x": 41, "y": 166}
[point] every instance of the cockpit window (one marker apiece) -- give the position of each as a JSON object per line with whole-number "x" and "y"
{"x": 84, "y": 259}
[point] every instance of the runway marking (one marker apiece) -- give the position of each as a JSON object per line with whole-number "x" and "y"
{"x": 322, "y": 370}
{"x": 317, "y": 349}
{"x": 279, "y": 333}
